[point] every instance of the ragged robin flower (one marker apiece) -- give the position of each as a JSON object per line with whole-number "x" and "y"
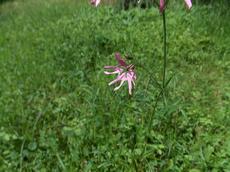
{"x": 162, "y": 3}
{"x": 124, "y": 73}
{"x": 95, "y": 2}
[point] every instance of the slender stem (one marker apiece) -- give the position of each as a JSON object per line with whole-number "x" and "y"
{"x": 164, "y": 83}
{"x": 165, "y": 58}
{"x": 21, "y": 156}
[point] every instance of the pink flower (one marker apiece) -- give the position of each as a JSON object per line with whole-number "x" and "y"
{"x": 124, "y": 73}
{"x": 95, "y": 2}
{"x": 162, "y": 5}
{"x": 188, "y": 3}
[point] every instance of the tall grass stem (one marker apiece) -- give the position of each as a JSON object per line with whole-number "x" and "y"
{"x": 165, "y": 58}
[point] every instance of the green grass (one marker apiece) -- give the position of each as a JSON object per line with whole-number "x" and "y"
{"x": 59, "y": 114}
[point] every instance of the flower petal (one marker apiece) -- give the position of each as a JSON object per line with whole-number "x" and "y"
{"x": 122, "y": 82}
{"x": 110, "y": 73}
{"x": 115, "y": 70}
{"x": 110, "y": 67}
{"x": 162, "y": 5}
{"x": 119, "y": 77}
{"x": 188, "y": 3}
{"x": 120, "y": 60}
{"x": 129, "y": 79}
{"x": 95, "y": 2}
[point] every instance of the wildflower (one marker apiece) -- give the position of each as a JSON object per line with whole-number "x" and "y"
{"x": 188, "y": 3}
{"x": 95, "y": 2}
{"x": 124, "y": 73}
{"x": 162, "y": 5}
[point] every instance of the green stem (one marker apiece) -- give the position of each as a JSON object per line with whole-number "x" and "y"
{"x": 165, "y": 59}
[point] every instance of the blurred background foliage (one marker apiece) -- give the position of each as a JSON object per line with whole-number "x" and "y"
{"x": 57, "y": 112}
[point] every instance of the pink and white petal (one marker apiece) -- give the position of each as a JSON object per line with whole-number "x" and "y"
{"x": 129, "y": 85}
{"x": 117, "y": 79}
{"x": 116, "y": 88}
{"x": 111, "y": 73}
{"x": 110, "y": 67}
{"x": 188, "y": 3}
{"x": 120, "y": 60}
{"x": 132, "y": 75}
{"x": 113, "y": 81}
{"x": 95, "y": 2}
{"x": 114, "y": 68}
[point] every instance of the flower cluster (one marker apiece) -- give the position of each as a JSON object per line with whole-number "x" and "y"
{"x": 124, "y": 73}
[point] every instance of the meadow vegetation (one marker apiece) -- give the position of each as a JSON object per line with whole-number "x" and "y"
{"x": 57, "y": 112}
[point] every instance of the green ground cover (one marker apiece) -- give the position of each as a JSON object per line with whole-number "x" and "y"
{"x": 57, "y": 112}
